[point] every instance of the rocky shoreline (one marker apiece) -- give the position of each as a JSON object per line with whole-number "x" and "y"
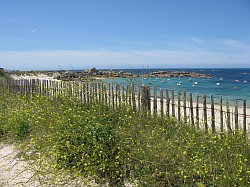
{"x": 66, "y": 75}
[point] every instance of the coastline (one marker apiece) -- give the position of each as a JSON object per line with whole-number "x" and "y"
{"x": 201, "y": 116}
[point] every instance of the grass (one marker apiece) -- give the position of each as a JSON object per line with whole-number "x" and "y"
{"x": 65, "y": 140}
{"x": 4, "y": 75}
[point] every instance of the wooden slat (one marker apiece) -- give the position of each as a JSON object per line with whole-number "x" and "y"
{"x": 179, "y": 105}
{"x": 236, "y": 120}
{"x": 228, "y": 117}
{"x": 173, "y": 103}
{"x": 221, "y": 115}
{"x": 191, "y": 108}
{"x": 185, "y": 106}
{"x": 205, "y": 112}
{"x": 133, "y": 97}
{"x": 212, "y": 114}
{"x": 155, "y": 99}
{"x": 161, "y": 102}
{"x": 167, "y": 103}
{"x": 197, "y": 112}
{"x": 244, "y": 117}
{"x": 139, "y": 98}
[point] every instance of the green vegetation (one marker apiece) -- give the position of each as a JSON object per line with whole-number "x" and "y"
{"x": 67, "y": 141}
{"x": 3, "y": 74}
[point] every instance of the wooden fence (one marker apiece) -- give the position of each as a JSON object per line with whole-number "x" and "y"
{"x": 199, "y": 111}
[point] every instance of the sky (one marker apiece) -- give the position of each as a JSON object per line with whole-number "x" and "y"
{"x": 81, "y": 34}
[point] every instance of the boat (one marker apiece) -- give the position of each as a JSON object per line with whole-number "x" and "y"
{"x": 195, "y": 83}
{"x": 218, "y": 84}
{"x": 245, "y": 81}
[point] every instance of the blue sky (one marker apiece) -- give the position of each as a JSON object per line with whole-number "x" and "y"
{"x": 42, "y": 34}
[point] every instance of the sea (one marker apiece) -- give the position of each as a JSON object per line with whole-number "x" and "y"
{"x": 230, "y": 83}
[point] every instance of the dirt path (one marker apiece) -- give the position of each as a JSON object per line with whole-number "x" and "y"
{"x": 16, "y": 173}
{"x": 13, "y": 171}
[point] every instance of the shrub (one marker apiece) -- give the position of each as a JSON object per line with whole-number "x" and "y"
{"x": 20, "y": 129}
{"x": 97, "y": 142}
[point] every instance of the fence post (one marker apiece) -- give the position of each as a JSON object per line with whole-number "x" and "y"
{"x": 221, "y": 114}
{"x": 197, "y": 112}
{"x": 88, "y": 92}
{"x": 212, "y": 113}
{"x": 84, "y": 92}
{"x": 139, "y": 98}
{"x": 81, "y": 92}
{"x": 95, "y": 92}
{"x": 105, "y": 94}
{"x": 133, "y": 97}
{"x": 205, "y": 112}
{"x": 119, "y": 94}
{"x": 191, "y": 109}
{"x": 179, "y": 105}
{"x": 167, "y": 103}
{"x": 99, "y": 92}
{"x": 112, "y": 95}
{"x": 109, "y": 94}
{"x": 173, "y": 104}
{"x": 61, "y": 88}
{"x": 17, "y": 86}
{"x": 161, "y": 101}
{"x": 123, "y": 93}
{"x": 41, "y": 89}
{"x": 149, "y": 99}
{"x": 116, "y": 95}
{"x": 236, "y": 115}
{"x": 128, "y": 101}
{"x": 145, "y": 98}
{"x": 155, "y": 100}
{"x": 102, "y": 93}
{"x": 228, "y": 117}
{"x": 185, "y": 107}
{"x": 244, "y": 117}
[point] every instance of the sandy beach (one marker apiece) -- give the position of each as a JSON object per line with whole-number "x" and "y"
{"x": 39, "y": 76}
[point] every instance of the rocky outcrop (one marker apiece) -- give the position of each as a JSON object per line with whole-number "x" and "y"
{"x": 176, "y": 74}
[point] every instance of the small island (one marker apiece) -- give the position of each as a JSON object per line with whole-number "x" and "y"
{"x": 176, "y": 74}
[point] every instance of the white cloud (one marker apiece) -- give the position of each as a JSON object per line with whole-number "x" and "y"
{"x": 34, "y": 30}
{"x": 234, "y": 44}
{"x": 119, "y": 59}
{"x": 190, "y": 52}
{"x": 197, "y": 40}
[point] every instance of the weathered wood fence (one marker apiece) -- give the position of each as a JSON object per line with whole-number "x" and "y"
{"x": 199, "y": 111}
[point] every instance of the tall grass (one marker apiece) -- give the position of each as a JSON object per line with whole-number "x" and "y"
{"x": 64, "y": 141}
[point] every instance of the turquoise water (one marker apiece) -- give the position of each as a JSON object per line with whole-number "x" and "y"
{"x": 231, "y": 83}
